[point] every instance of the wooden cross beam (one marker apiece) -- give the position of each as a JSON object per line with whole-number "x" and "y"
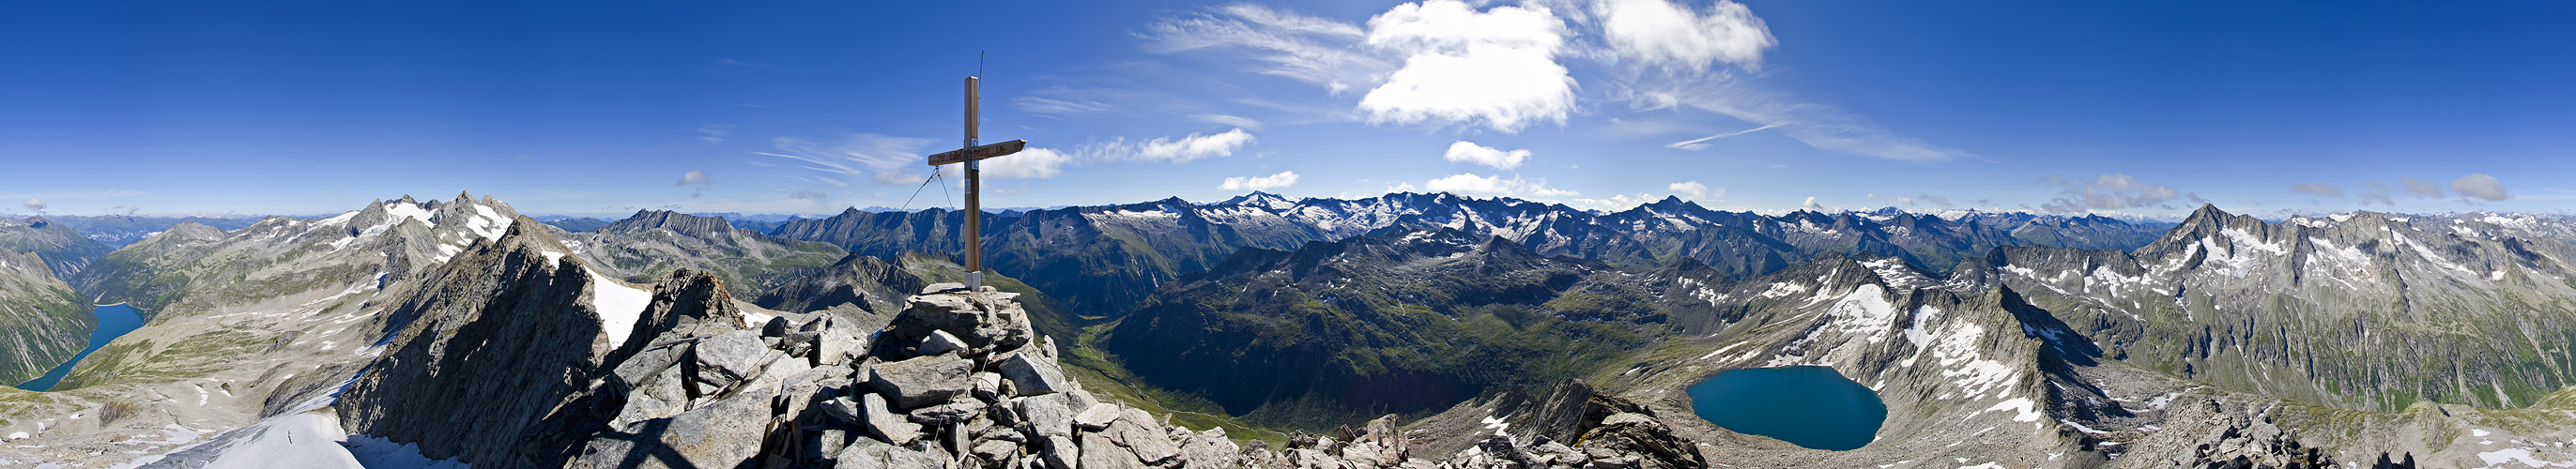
{"x": 973, "y": 236}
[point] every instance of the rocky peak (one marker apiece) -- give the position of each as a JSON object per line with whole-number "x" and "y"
{"x": 504, "y": 327}
{"x": 681, "y": 223}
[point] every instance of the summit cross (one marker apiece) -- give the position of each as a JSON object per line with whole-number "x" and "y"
{"x": 973, "y": 236}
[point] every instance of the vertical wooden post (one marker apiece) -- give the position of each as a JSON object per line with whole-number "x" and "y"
{"x": 974, "y": 235}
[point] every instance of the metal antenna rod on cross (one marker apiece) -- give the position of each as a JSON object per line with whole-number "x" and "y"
{"x": 973, "y": 235}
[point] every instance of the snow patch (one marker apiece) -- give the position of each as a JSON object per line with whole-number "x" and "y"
{"x": 2023, "y": 410}
{"x": 619, "y": 306}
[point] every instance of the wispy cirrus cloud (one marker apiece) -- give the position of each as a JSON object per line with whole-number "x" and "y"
{"x": 1309, "y": 49}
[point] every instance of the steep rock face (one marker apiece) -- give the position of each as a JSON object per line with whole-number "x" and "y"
{"x": 505, "y": 330}
{"x": 652, "y": 244}
{"x": 1399, "y": 321}
{"x": 42, "y": 323}
{"x": 2338, "y": 312}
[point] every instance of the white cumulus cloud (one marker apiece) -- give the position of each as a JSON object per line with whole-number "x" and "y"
{"x": 2481, "y": 186}
{"x": 1033, "y": 163}
{"x": 1665, "y": 33}
{"x": 1469, "y": 152}
{"x": 1495, "y": 67}
{"x": 1260, "y": 183}
{"x": 1696, "y": 190}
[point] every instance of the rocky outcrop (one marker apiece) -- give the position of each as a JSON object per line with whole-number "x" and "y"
{"x": 959, "y": 379}
{"x": 493, "y": 343}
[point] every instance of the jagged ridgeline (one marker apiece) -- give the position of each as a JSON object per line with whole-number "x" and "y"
{"x": 1103, "y": 259}
{"x": 2366, "y": 311}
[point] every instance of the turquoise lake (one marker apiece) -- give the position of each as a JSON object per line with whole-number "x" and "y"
{"x": 113, "y": 320}
{"x": 1808, "y": 406}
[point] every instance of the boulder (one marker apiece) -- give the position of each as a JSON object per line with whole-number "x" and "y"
{"x": 1098, "y": 416}
{"x": 712, "y": 436}
{"x": 921, "y": 381}
{"x": 940, "y": 343}
{"x": 835, "y": 345}
{"x": 872, "y": 454}
{"x": 955, "y": 411}
{"x": 987, "y": 386}
{"x": 942, "y": 287}
{"x": 717, "y": 363}
{"x": 844, "y": 409}
{"x": 1210, "y": 449}
{"x": 1138, "y": 431}
{"x": 1099, "y": 452}
{"x": 1031, "y": 374}
{"x": 1048, "y": 415}
{"x": 884, "y": 424}
{"x": 995, "y": 453}
{"x": 775, "y": 327}
{"x": 941, "y": 303}
{"x": 1060, "y": 452}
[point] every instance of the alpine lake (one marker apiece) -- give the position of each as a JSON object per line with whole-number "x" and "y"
{"x": 1808, "y": 406}
{"x": 113, "y": 321}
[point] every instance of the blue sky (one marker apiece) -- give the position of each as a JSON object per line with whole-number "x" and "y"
{"x": 797, "y": 107}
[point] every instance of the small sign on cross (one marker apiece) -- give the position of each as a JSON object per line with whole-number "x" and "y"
{"x": 973, "y": 236}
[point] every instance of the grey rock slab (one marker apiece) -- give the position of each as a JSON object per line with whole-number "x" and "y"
{"x": 1098, "y": 452}
{"x": 1210, "y": 449}
{"x": 872, "y": 454}
{"x": 836, "y": 346}
{"x": 1031, "y": 374}
{"x": 1138, "y": 431}
{"x": 940, "y": 343}
{"x": 724, "y": 360}
{"x": 1050, "y": 415}
{"x": 1060, "y": 452}
{"x": 955, "y": 411}
{"x": 719, "y": 435}
{"x": 942, "y": 287}
{"x": 941, "y": 303}
{"x": 996, "y": 450}
{"x": 988, "y": 386}
{"x": 885, "y": 424}
{"x": 921, "y": 381}
{"x": 1097, "y": 417}
{"x": 845, "y": 409}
